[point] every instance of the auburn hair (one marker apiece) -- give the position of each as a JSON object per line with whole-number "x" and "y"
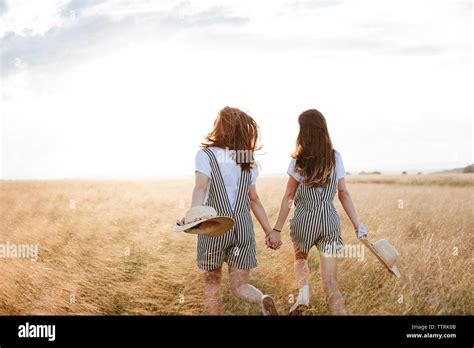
{"x": 235, "y": 130}
{"x": 314, "y": 154}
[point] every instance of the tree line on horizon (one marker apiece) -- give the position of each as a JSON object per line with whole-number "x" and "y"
{"x": 467, "y": 169}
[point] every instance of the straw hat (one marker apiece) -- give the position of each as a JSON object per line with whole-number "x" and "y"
{"x": 386, "y": 253}
{"x": 204, "y": 220}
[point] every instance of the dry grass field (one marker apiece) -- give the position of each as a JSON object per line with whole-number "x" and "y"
{"x": 108, "y": 248}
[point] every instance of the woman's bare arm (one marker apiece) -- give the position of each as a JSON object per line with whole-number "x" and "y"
{"x": 286, "y": 202}
{"x": 258, "y": 210}
{"x": 346, "y": 201}
{"x": 200, "y": 189}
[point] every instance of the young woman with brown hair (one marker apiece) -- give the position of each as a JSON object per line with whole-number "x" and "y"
{"x": 226, "y": 180}
{"x": 316, "y": 173}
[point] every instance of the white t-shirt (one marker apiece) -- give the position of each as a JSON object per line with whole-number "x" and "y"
{"x": 340, "y": 171}
{"x": 229, "y": 168}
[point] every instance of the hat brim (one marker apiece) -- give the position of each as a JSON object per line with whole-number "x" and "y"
{"x": 391, "y": 267}
{"x": 212, "y": 227}
{"x": 387, "y": 251}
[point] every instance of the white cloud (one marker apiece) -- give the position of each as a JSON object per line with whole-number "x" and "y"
{"x": 26, "y": 17}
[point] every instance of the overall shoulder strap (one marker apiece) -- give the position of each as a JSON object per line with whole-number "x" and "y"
{"x": 330, "y": 189}
{"x": 218, "y": 190}
{"x": 242, "y": 201}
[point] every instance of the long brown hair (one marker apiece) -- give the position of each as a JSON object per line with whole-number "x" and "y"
{"x": 235, "y": 130}
{"x": 314, "y": 154}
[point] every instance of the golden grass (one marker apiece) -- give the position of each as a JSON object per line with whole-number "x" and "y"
{"x": 84, "y": 266}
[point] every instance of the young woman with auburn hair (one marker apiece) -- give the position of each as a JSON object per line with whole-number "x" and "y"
{"x": 226, "y": 180}
{"x": 316, "y": 173}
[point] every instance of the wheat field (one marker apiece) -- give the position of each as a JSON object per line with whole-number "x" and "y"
{"x": 108, "y": 248}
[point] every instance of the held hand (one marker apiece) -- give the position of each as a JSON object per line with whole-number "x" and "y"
{"x": 269, "y": 242}
{"x": 267, "y": 238}
{"x": 361, "y": 232}
{"x": 273, "y": 240}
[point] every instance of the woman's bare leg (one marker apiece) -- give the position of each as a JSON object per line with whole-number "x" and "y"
{"x": 301, "y": 267}
{"x": 334, "y": 298}
{"x": 240, "y": 287}
{"x": 212, "y": 283}
{"x": 302, "y": 278}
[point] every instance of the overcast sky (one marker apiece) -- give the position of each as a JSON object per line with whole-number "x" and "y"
{"x": 117, "y": 88}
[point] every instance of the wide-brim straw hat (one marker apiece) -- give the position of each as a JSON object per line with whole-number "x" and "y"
{"x": 205, "y": 221}
{"x": 386, "y": 253}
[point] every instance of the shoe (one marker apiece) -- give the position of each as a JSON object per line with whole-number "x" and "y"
{"x": 298, "y": 309}
{"x": 301, "y": 304}
{"x": 268, "y": 306}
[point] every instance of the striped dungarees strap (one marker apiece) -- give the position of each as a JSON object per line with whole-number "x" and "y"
{"x": 217, "y": 193}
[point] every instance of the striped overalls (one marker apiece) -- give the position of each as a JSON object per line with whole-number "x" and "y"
{"x": 316, "y": 221}
{"x": 237, "y": 246}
